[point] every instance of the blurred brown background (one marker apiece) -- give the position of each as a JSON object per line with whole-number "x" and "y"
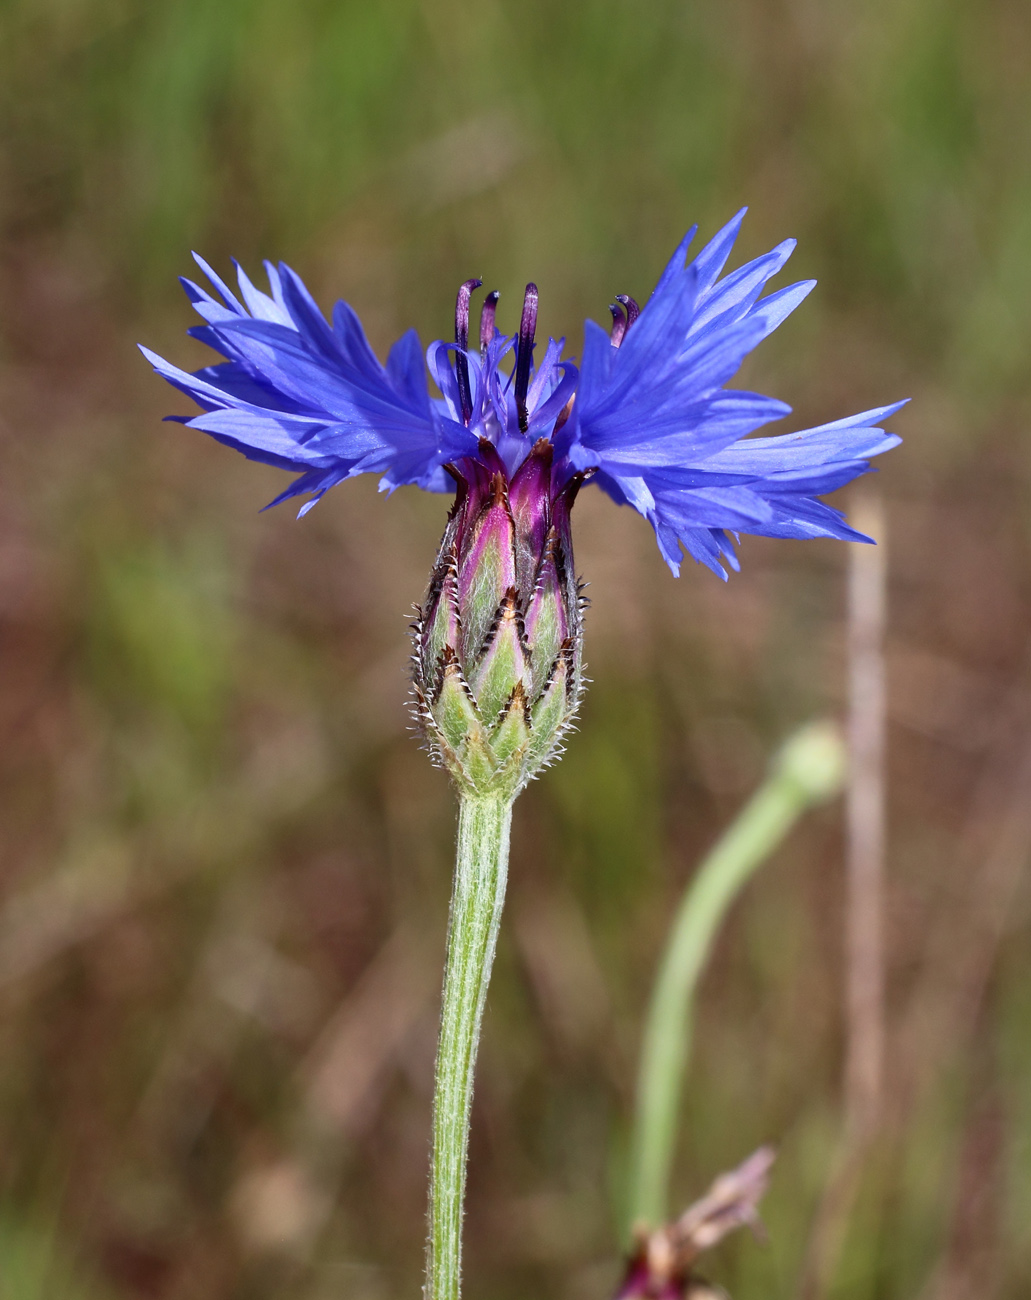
{"x": 225, "y": 862}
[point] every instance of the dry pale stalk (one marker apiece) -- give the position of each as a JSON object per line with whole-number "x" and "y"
{"x": 867, "y": 608}
{"x": 865, "y": 855}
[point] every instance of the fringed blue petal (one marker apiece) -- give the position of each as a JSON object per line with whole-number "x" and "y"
{"x": 654, "y": 420}
{"x": 301, "y": 394}
{"x": 651, "y": 420}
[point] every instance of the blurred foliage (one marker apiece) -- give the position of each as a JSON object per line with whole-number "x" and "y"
{"x": 225, "y": 863}
{"x": 38, "y": 1267}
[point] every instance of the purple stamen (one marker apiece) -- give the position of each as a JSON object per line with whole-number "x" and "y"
{"x": 462, "y": 339}
{"x": 618, "y": 325}
{"x": 490, "y": 307}
{"x": 632, "y": 309}
{"x": 524, "y": 354}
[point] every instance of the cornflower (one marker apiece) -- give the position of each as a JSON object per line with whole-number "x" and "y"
{"x": 497, "y": 663}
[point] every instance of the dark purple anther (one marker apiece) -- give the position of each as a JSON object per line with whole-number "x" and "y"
{"x": 618, "y": 325}
{"x": 490, "y": 307}
{"x": 632, "y": 309}
{"x": 462, "y": 339}
{"x": 524, "y": 355}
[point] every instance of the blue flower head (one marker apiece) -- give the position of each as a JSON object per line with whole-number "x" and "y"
{"x": 647, "y": 416}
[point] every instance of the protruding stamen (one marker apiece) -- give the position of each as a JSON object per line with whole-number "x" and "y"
{"x": 462, "y": 312}
{"x": 462, "y": 339}
{"x": 524, "y": 355}
{"x": 632, "y": 309}
{"x": 618, "y": 325}
{"x": 490, "y": 307}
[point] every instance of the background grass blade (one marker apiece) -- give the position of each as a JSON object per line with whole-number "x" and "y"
{"x": 809, "y": 769}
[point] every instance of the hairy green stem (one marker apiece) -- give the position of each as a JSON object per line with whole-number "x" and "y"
{"x": 808, "y": 769}
{"x": 481, "y": 869}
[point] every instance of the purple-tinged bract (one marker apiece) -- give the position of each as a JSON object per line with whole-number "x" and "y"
{"x": 497, "y": 667}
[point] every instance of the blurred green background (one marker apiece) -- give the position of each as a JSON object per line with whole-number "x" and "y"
{"x": 225, "y": 862}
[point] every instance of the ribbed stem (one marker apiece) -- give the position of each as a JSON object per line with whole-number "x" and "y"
{"x": 481, "y": 869}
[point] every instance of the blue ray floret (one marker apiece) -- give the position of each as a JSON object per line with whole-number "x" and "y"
{"x": 647, "y": 415}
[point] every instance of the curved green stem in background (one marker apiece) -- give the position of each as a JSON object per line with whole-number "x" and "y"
{"x": 809, "y": 768}
{"x": 481, "y": 870}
